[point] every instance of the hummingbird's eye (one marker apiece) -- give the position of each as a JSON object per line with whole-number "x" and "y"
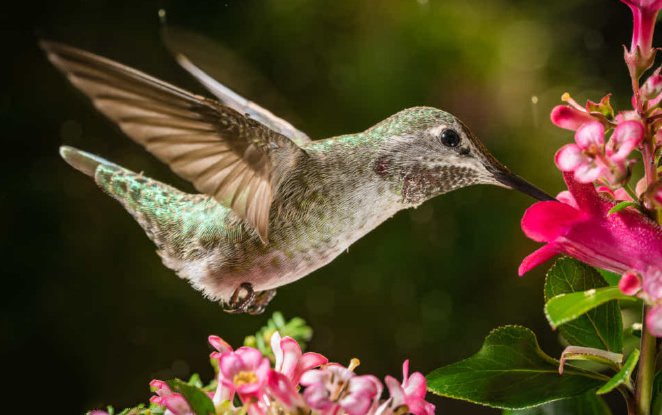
{"x": 450, "y": 138}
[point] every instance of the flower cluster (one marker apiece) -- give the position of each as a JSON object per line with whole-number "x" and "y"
{"x": 298, "y": 383}
{"x": 602, "y": 220}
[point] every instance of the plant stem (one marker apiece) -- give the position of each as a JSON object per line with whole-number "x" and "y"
{"x": 646, "y": 372}
{"x": 629, "y": 400}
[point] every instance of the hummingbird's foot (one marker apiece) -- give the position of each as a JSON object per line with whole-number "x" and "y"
{"x": 240, "y": 301}
{"x": 245, "y": 300}
{"x": 261, "y": 301}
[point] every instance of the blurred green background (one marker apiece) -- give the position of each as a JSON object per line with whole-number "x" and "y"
{"x": 89, "y": 313}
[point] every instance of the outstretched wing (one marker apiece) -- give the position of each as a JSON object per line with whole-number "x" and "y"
{"x": 202, "y": 58}
{"x": 225, "y": 154}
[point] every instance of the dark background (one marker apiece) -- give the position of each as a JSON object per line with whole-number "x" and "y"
{"x": 90, "y": 315}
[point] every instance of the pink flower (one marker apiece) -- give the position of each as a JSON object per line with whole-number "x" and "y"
{"x": 289, "y": 359}
{"x": 223, "y": 391}
{"x": 620, "y": 242}
{"x": 174, "y": 403}
{"x": 570, "y": 118}
{"x": 244, "y": 371}
{"x": 411, "y": 392}
{"x": 281, "y": 388}
{"x": 590, "y": 159}
{"x": 641, "y": 54}
{"x": 335, "y": 387}
{"x": 651, "y": 90}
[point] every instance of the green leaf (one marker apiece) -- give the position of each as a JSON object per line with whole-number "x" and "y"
{"x": 567, "y": 307}
{"x": 622, "y": 205}
{"x": 197, "y": 399}
{"x": 623, "y": 375}
{"x": 511, "y": 372}
{"x": 611, "y": 278}
{"x": 583, "y": 323}
{"x": 587, "y": 404}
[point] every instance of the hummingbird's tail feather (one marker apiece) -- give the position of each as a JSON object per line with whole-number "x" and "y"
{"x": 189, "y": 230}
{"x": 82, "y": 161}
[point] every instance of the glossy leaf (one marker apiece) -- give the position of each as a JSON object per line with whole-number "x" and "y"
{"x": 611, "y": 278}
{"x": 587, "y": 404}
{"x": 511, "y": 372}
{"x": 582, "y": 323}
{"x": 623, "y": 375}
{"x": 197, "y": 399}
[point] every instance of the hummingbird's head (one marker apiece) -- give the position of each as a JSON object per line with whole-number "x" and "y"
{"x": 426, "y": 152}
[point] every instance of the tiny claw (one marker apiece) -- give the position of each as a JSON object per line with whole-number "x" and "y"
{"x": 261, "y": 301}
{"x": 240, "y": 304}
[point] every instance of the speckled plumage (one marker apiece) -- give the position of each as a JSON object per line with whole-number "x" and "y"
{"x": 324, "y": 194}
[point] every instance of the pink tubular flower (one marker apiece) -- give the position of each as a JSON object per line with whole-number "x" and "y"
{"x": 223, "y": 391}
{"x": 619, "y": 242}
{"x": 174, "y": 403}
{"x": 641, "y": 53}
{"x": 411, "y": 392}
{"x": 589, "y": 158}
{"x": 244, "y": 371}
{"x": 290, "y": 361}
{"x": 281, "y": 388}
{"x": 570, "y": 118}
{"x": 335, "y": 387}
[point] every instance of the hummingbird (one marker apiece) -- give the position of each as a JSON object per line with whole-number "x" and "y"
{"x": 273, "y": 205}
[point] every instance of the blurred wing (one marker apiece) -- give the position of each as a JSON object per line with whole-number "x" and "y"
{"x": 236, "y": 160}
{"x": 188, "y": 47}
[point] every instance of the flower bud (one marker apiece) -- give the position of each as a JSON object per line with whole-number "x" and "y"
{"x": 630, "y": 283}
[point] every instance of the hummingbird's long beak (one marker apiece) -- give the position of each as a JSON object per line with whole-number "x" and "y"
{"x": 513, "y": 181}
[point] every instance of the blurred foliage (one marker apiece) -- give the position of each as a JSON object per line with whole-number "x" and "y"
{"x": 86, "y": 299}
{"x": 295, "y": 328}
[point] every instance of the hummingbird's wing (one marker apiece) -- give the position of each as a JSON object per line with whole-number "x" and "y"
{"x": 188, "y": 47}
{"x": 225, "y": 154}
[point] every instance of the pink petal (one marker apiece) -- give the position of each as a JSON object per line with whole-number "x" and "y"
{"x": 627, "y": 136}
{"x": 176, "y": 404}
{"x": 590, "y": 134}
{"x": 652, "y": 283}
{"x": 219, "y": 344}
{"x": 569, "y": 118}
{"x": 283, "y": 390}
{"x": 160, "y": 387}
{"x": 311, "y": 360}
{"x": 355, "y": 404}
{"x": 569, "y": 157}
{"x": 567, "y": 198}
{"x": 537, "y": 257}
{"x": 276, "y": 349}
{"x": 395, "y": 390}
{"x": 629, "y": 283}
{"x": 586, "y": 196}
{"x": 230, "y": 364}
{"x": 654, "y": 321}
{"x": 291, "y": 352}
{"x": 405, "y": 370}
{"x": 588, "y": 173}
{"x": 416, "y": 385}
{"x": 312, "y": 377}
{"x": 546, "y": 221}
{"x": 250, "y": 357}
